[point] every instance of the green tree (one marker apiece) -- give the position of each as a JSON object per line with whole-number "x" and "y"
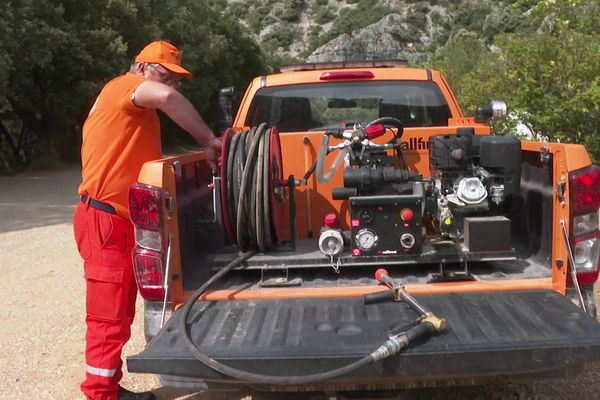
{"x": 550, "y": 79}
{"x": 53, "y": 69}
{"x": 55, "y": 55}
{"x": 459, "y": 56}
{"x": 470, "y": 15}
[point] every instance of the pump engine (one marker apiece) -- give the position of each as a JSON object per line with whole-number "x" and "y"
{"x": 472, "y": 175}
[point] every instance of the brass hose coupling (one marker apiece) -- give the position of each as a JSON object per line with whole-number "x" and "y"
{"x": 439, "y": 324}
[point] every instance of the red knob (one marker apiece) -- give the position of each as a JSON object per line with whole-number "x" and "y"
{"x": 330, "y": 220}
{"x": 406, "y": 214}
{"x": 381, "y": 274}
{"x": 375, "y": 131}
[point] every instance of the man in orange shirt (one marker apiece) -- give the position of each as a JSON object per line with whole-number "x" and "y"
{"x": 120, "y": 134}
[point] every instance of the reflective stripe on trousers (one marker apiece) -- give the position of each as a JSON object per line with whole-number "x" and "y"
{"x": 107, "y": 373}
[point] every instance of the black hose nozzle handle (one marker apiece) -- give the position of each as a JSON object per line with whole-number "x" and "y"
{"x": 378, "y": 297}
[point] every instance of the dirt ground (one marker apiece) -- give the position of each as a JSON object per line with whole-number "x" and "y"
{"x": 42, "y": 328}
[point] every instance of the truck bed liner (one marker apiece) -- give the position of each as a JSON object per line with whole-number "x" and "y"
{"x": 487, "y": 334}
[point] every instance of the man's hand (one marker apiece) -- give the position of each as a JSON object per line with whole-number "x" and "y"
{"x": 212, "y": 152}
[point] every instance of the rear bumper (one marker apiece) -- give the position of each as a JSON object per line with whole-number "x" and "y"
{"x": 487, "y": 335}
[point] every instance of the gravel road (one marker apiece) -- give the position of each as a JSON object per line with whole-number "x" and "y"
{"x": 42, "y": 329}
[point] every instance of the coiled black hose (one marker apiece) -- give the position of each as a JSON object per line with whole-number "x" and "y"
{"x": 247, "y": 189}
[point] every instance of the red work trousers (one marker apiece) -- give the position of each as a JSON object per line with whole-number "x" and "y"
{"x": 105, "y": 242}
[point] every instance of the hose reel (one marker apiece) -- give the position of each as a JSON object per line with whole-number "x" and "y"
{"x": 252, "y": 192}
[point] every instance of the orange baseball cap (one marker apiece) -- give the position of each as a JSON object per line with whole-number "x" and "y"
{"x": 165, "y": 54}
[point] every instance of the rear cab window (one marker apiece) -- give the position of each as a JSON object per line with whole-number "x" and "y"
{"x": 304, "y": 107}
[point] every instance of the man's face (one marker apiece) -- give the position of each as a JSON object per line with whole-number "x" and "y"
{"x": 158, "y": 73}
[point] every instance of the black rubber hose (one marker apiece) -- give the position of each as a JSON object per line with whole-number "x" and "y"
{"x": 245, "y": 228}
{"x": 249, "y": 376}
{"x": 247, "y": 178}
{"x": 390, "y": 347}
{"x": 253, "y": 191}
{"x": 260, "y": 192}
{"x": 424, "y": 328}
{"x": 269, "y": 230}
{"x": 230, "y": 183}
{"x": 248, "y": 205}
{"x": 237, "y": 172}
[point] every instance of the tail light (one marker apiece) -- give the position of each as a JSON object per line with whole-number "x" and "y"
{"x": 148, "y": 268}
{"x": 584, "y": 188}
{"x": 145, "y": 210}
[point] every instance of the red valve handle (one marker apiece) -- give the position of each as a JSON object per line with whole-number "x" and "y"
{"x": 381, "y": 275}
{"x": 375, "y": 131}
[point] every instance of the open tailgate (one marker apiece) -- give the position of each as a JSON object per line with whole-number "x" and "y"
{"x": 487, "y": 334}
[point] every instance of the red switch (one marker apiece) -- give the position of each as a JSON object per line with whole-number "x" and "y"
{"x": 406, "y": 214}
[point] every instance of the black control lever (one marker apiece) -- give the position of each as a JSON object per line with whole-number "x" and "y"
{"x": 377, "y": 297}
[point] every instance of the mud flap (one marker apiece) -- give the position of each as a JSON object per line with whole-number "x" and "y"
{"x": 487, "y": 334}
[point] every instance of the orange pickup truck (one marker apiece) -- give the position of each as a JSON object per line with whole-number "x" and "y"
{"x": 362, "y": 233}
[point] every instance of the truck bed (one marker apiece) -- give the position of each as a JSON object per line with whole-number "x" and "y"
{"x": 488, "y": 334}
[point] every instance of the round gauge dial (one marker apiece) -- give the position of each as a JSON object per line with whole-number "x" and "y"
{"x": 366, "y": 239}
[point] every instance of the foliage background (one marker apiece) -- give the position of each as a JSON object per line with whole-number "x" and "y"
{"x": 55, "y": 55}
{"x": 540, "y": 56}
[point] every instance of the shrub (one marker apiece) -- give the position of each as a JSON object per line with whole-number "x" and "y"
{"x": 324, "y": 15}
{"x": 291, "y": 10}
{"x": 422, "y": 7}
{"x": 417, "y": 20}
{"x": 240, "y": 9}
{"x": 281, "y": 36}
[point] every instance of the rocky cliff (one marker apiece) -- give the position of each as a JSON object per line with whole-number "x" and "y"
{"x": 333, "y": 30}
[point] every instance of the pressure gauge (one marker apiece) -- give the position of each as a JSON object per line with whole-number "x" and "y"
{"x": 366, "y": 239}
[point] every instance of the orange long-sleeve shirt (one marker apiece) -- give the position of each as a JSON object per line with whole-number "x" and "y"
{"x": 118, "y": 138}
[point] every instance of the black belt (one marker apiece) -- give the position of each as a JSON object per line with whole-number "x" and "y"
{"x": 99, "y": 205}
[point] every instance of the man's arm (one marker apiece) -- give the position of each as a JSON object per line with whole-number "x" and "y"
{"x": 150, "y": 94}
